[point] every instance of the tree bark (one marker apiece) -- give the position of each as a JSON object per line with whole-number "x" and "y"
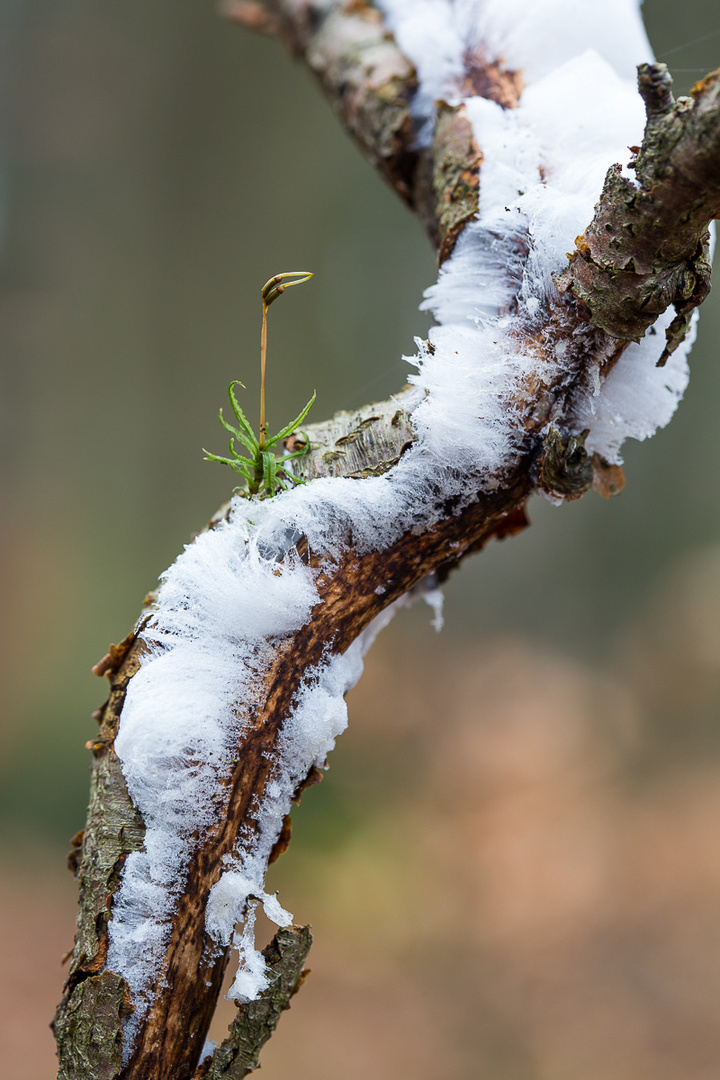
{"x": 645, "y": 249}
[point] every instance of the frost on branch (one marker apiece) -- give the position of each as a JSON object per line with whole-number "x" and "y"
{"x": 236, "y": 693}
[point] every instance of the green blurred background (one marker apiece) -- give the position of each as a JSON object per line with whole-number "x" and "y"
{"x": 157, "y": 164}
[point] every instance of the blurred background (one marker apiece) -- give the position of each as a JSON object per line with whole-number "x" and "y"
{"x": 512, "y": 867}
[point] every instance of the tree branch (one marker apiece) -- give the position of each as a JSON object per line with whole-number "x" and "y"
{"x": 625, "y": 271}
{"x": 647, "y": 246}
{"x": 370, "y": 84}
{"x": 255, "y": 1022}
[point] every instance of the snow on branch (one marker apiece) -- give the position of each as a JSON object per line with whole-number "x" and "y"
{"x": 497, "y": 122}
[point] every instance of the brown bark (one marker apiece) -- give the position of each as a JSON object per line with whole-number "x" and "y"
{"x": 647, "y": 246}
{"x": 370, "y": 84}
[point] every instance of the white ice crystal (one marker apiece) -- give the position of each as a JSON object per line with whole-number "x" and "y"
{"x": 239, "y": 591}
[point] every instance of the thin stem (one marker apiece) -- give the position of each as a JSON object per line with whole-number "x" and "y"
{"x": 263, "y": 357}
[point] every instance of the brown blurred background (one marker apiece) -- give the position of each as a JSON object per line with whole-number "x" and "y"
{"x": 512, "y": 867}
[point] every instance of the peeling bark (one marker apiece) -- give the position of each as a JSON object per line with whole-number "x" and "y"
{"x": 488, "y": 77}
{"x": 456, "y": 175}
{"x": 88, "y": 1031}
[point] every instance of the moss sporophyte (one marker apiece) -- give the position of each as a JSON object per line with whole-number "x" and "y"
{"x": 263, "y": 472}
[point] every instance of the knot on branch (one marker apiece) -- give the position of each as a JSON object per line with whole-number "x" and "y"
{"x": 567, "y": 471}
{"x": 565, "y": 466}
{"x": 655, "y": 86}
